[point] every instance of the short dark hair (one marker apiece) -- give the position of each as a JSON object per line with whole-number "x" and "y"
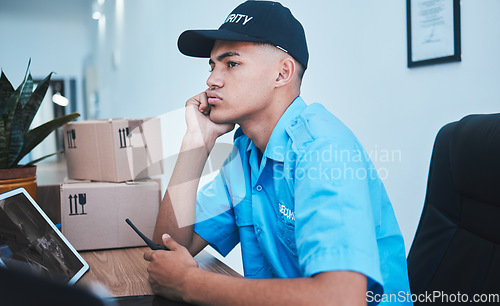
{"x": 300, "y": 70}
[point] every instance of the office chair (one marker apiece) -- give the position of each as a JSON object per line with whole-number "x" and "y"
{"x": 456, "y": 249}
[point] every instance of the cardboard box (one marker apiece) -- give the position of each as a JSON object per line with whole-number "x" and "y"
{"x": 93, "y": 213}
{"x": 113, "y": 150}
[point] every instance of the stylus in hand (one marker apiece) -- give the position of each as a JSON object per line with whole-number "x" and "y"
{"x": 148, "y": 241}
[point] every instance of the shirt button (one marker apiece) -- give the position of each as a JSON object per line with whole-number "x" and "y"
{"x": 258, "y": 230}
{"x": 294, "y": 122}
{"x": 258, "y": 188}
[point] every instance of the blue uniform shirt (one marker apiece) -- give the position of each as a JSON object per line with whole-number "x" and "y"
{"x": 313, "y": 202}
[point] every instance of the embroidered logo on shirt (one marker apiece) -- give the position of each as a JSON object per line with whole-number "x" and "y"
{"x": 285, "y": 211}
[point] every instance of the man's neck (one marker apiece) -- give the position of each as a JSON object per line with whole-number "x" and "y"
{"x": 259, "y": 130}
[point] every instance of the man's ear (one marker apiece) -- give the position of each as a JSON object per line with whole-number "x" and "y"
{"x": 286, "y": 72}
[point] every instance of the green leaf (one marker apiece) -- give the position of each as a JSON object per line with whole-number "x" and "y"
{"x": 4, "y": 151}
{"x": 23, "y": 116}
{"x": 5, "y": 85}
{"x": 38, "y": 134}
{"x": 6, "y": 91}
{"x": 15, "y": 134}
{"x": 15, "y": 96}
{"x": 27, "y": 91}
{"x": 10, "y": 98}
{"x": 12, "y": 104}
{"x": 17, "y": 126}
{"x": 31, "y": 107}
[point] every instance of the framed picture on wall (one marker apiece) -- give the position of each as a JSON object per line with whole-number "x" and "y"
{"x": 433, "y": 31}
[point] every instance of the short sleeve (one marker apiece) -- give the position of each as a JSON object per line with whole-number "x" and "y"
{"x": 335, "y": 227}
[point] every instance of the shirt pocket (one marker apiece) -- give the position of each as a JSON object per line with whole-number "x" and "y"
{"x": 286, "y": 228}
{"x": 253, "y": 259}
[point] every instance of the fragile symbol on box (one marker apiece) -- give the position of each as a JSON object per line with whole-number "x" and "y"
{"x": 124, "y": 134}
{"x": 74, "y": 201}
{"x": 71, "y": 136}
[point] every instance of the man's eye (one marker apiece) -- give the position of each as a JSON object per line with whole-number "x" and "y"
{"x": 231, "y": 64}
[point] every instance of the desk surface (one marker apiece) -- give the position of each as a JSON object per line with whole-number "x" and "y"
{"x": 123, "y": 271}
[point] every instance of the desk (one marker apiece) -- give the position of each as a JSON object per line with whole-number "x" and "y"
{"x": 123, "y": 271}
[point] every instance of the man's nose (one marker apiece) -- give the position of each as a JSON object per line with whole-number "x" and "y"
{"x": 215, "y": 79}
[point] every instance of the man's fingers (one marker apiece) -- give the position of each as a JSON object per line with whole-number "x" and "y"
{"x": 204, "y": 107}
{"x": 205, "y": 110}
{"x": 148, "y": 255}
{"x": 170, "y": 243}
{"x": 201, "y": 102}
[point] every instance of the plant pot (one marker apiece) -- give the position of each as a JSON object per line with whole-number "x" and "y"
{"x": 19, "y": 177}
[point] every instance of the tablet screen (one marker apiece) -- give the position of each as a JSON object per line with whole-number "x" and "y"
{"x": 29, "y": 240}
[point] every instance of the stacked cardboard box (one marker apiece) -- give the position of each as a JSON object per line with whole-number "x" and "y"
{"x": 114, "y": 150}
{"x": 110, "y": 164}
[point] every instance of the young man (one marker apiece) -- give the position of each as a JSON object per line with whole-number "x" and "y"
{"x": 298, "y": 191}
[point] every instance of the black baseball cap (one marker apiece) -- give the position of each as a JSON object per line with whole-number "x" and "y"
{"x": 252, "y": 21}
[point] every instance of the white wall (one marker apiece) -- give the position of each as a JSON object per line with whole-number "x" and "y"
{"x": 53, "y": 33}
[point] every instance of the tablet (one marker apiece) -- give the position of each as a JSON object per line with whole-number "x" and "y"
{"x": 30, "y": 241}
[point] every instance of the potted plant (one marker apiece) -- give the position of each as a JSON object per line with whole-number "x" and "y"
{"x": 17, "y": 110}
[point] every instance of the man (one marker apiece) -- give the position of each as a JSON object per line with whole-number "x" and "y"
{"x": 298, "y": 191}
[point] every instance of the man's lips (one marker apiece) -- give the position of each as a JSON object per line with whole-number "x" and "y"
{"x": 213, "y": 98}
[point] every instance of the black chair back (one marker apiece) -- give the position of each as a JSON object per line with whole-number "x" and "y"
{"x": 456, "y": 250}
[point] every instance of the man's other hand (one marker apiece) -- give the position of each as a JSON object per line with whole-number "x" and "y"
{"x": 168, "y": 270}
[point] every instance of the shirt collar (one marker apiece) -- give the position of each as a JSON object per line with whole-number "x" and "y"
{"x": 275, "y": 148}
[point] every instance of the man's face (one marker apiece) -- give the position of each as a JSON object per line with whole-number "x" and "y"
{"x": 241, "y": 81}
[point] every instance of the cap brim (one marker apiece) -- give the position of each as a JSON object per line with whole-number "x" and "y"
{"x": 199, "y": 43}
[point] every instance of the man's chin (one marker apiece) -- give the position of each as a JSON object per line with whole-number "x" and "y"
{"x": 216, "y": 118}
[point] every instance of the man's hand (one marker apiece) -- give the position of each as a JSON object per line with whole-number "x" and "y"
{"x": 198, "y": 121}
{"x": 175, "y": 275}
{"x": 168, "y": 269}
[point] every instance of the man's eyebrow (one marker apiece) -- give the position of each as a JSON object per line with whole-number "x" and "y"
{"x": 223, "y": 56}
{"x": 227, "y": 54}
